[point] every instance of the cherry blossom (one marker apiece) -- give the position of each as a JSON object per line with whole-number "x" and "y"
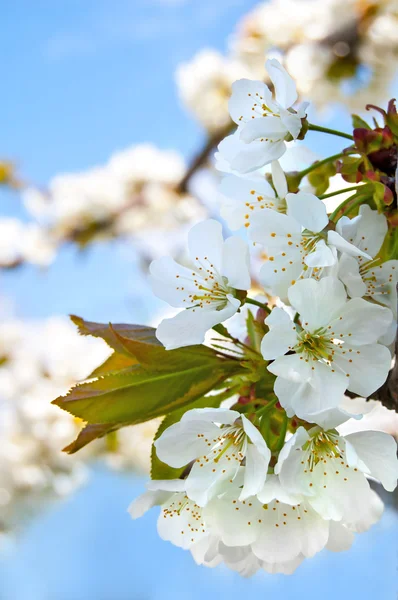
{"x": 208, "y": 290}
{"x": 333, "y": 349}
{"x": 218, "y": 440}
{"x": 297, "y": 244}
{"x": 331, "y": 471}
{"x": 264, "y": 122}
{"x": 243, "y": 198}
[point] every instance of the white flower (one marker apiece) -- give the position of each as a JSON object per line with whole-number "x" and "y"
{"x": 180, "y": 520}
{"x": 263, "y": 122}
{"x": 207, "y": 290}
{"x": 334, "y": 348}
{"x": 244, "y": 198}
{"x": 297, "y": 244}
{"x": 330, "y": 471}
{"x": 204, "y": 85}
{"x": 218, "y": 440}
{"x": 277, "y": 528}
{"x": 369, "y": 278}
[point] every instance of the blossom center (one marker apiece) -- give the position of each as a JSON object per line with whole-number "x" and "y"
{"x": 321, "y": 447}
{"x": 316, "y": 346}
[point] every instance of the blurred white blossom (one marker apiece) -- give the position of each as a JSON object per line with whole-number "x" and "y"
{"x": 204, "y": 85}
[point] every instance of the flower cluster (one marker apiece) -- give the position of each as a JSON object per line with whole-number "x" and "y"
{"x": 39, "y": 361}
{"x": 272, "y": 479}
{"x": 133, "y": 196}
{"x": 338, "y": 50}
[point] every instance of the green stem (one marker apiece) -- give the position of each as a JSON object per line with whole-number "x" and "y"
{"x": 357, "y": 202}
{"x": 340, "y": 207}
{"x": 348, "y": 189}
{"x": 259, "y": 304}
{"x": 319, "y": 163}
{"x": 330, "y": 131}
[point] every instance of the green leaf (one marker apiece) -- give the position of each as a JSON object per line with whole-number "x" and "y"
{"x": 159, "y": 469}
{"x": 116, "y": 362}
{"x": 88, "y": 434}
{"x": 108, "y": 333}
{"x": 359, "y": 123}
{"x": 140, "y": 380}
{"x": 136, "y": 395}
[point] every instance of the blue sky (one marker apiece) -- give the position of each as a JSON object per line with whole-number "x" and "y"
{"x": 80, "y": 81}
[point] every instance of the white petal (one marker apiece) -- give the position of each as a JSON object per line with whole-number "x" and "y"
{"x": 334, "y": 239}
{"x": 206, "y": 240}
{"x": 255, "y": 471}
{"x": 285, "y": 86}
{"x": 208, "y": 477}
{"x": 180, "y": 443}
{"x": 297, "y": 440}
{"x": 340, "y": 538}
{"x": 235, "y": 263}
{"x": 175, "y": 523}
{"x": 378, "y": 451}
{"x": 165, "y": 275}
{"x": 274, "y": 230}
{"x": 343, "y": 494}
{"x": 366, "y": 231}
{"x": 223, "y": 416}
{"x": 292, "y": 122}
{"x": 257, "y": 154}
{"x": 244, "y": 97}
{"x": 281, "y": 337}
{"x": 190, "y": 326}
{"x": 279, "y": 179}
{"x": 360, "y": 322}
{"x": 234, "y": 521}
{"x": 348, "y": 273}
{"x": 166, "y": 485}
{"x": 238, "y": 192}
{"x": 273, "y": 490}
{"x": 147, "y": 501}
{"x": 269, "y": 129}
{"x": 278, "y": 275}
{"x": 304, "y": 392}
{"x": 308, "y": 210}
{"x": 366, "y": 518}
{"x": 368, "y": 369}
{"x": 317, "y": 301}
{"x": 321, "y": 256}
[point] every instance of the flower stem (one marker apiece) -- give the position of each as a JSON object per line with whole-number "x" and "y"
{"x": 340, "y": 207}
{"x": 259, "y": 304}
{"x": 312, "y": 127}
{"x": 319, "y": 163}
{"x": 347, "y": 189}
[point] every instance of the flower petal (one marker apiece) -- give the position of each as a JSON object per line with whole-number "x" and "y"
{"x": 147, "y": 501}
{"x": 317, "y": 301}
{"x": 334, "y": 239}
{"x": 284, "y": 84}
{"x": 281, "y": 337}
{"x": 184, "y": 441}
{"x": 378, "y": 451}
{"x": 321, "y": 256}
{"x": 348, "y": 273}
{"x": 307, "y": 210}
{"x": 340, "y": 537}
{"x": 247, "y": 96}
{"x": 279, "y": 179}
{"x": 269, "y": 129}
{"x": 189, "y": 326}
{"x": 205, "y": 243}
{"x": 235, "y": 263}
{"x": 360, "y": 322}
